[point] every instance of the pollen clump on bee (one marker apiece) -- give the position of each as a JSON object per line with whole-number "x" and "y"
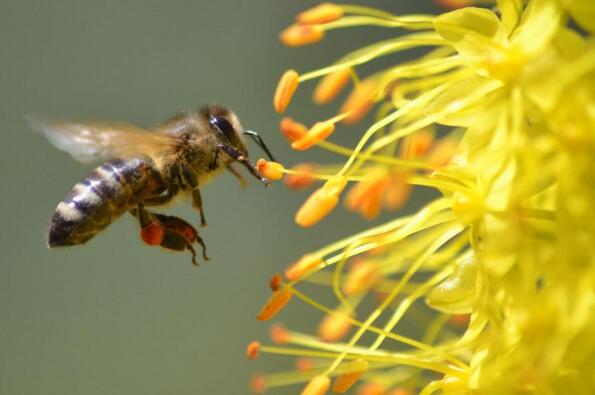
{"x": 275, "y": 304}
{"x": 322, "y": 13}
{"x": 285, "y": 89}
{"x": 298, "y": 35}
{"x": 271, "y": 170}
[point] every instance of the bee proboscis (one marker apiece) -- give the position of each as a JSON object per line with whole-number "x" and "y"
{"x": 145, "y": 168}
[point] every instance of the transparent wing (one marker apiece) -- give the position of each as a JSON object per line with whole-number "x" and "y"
{"x": 95, "y": 141}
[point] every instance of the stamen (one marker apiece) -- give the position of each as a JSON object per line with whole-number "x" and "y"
{"x": 353, "y": 371}
{"x": 298, "y": 35}
{"x": 279, "y": 335}
{"x": 271, "y": 170}
{"x": 360, "y": 101}
{"x": 331, "y": 85}
{"x": 320, "y": 203}
{"x": 258, "y": 384}
{"x": 253, "y": 350}
{"x": 334, "y": 327}
{"x": 292, "y": 130}
{"x": 301, "y": 176}
{"x": 317, "y": 133}
{"x": 318, "y": 385}
{"x": 322, "y": 13}
{"x": 275, "y": 304}
{"x": 302, "y": 267}
{"x": 285, "y": 90}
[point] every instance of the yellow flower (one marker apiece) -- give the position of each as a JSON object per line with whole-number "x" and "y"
{"x": 497, "y": 275}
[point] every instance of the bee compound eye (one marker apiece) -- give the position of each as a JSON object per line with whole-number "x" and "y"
{"x": 222, "y": 125}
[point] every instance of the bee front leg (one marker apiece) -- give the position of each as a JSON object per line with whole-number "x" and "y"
{"x": 236, "y": 155}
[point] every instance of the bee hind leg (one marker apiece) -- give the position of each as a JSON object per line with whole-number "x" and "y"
{"x": 169, "y": 232}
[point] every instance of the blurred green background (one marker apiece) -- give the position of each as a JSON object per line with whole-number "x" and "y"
{"x": 116, "y": 316}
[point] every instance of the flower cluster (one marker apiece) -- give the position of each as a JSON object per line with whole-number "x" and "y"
{"x": 498, "y": 273}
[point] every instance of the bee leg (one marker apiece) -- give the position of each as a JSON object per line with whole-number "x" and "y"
{"x": 236, "y": 155}
{"x": 159, "y": 200}
{"x": 180, "y": 235}
{"x": 237, "y": 174}
{"x": 192, "y": 182}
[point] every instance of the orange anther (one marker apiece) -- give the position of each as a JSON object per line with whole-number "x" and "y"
{"x": 366, "y": 195}
{"x": 331, "y": 85}
{"x": 397, "y": 191}
{"x": 359, "y": 101}
{"x": 322, "y": 13}
{"x": 292, "y": 130}
{"x": 279, "y": 334}
{"x": 276, "y": 302}
{"x": 401, "y": 391}
{"x": 416, "y": 144}
{"x": 271, "y": 170}
{"x": 285, "y": 90}
{"x": 443, "y": 151}
{"x": 298, "y": 35}
{"x": 275, "y": 282}
{"x": 303, "y": 177}
{"x": 362, "y": 276}
{"x": 320, "y": 203}
{"x": 258, "y": 384}
{"x": 352, "y": 372}
{"x": 453, "y": 4}
{"x": 253, "y": 350}
{"x": 302, "y": 266}
{"x": 334, "y": 326}
{"x": 318, "y": 385}
{"x": 371, "y": 389}
{"x": 460, "y": 320}
{"x": 317, "y": 133}
{"x": 304, "y": 364}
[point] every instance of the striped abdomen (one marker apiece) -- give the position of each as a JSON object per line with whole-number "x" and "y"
{"x": 104, "y": 195}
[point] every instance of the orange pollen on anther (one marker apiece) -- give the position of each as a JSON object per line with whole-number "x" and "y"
{"x": 460, "y": 320}
{"x": 291, "y": 129}
{"x": 334, "y": 326}
{"x": 275, "y": 282}
{"x": 331, "y": 85}
{"x": 303, "y": 178}
{"x": 318, "y": 385}
{"x": 397, "y": 191}
{"x": 320, "y": 203}
{"x": 275, "y": 304}
{"x": 371, "y": 389}
{"x": 322, "y": 13}
{"x": 442, "y": 152}
{"x": 416, "y": 144}
{"x": 285, "y": 90}
{"x": 317, "y": 133}
{"x": 302, "y": 266}
{"x": 454, "y": 4}
{"x": 298, "y": 35}
{"x": 152, "y": 233}
{"x": 304, "y": 364}
{"x": 359, "y": 101}
{"x": 271, "y": 170}
{"x": 253, "y": 350}
{"x": 279, "y": 334}
{"x": 258, "y": 384}
{"x": 353, "y": 371}
{"x": 362, "y": 276}
{"x": 366, "y": 195}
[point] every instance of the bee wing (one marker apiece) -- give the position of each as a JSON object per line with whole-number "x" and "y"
{"x": 94, "y": 141}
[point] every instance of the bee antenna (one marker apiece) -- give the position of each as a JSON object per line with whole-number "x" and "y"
{"x": 258, "y": 140}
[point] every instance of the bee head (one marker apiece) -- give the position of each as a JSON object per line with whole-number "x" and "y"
{"x": 226, "y": 126}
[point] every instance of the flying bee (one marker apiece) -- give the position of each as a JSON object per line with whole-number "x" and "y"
{"x": 146, "y": 168}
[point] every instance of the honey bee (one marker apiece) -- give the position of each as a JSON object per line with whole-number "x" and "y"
{"x": 146, "y": 168}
